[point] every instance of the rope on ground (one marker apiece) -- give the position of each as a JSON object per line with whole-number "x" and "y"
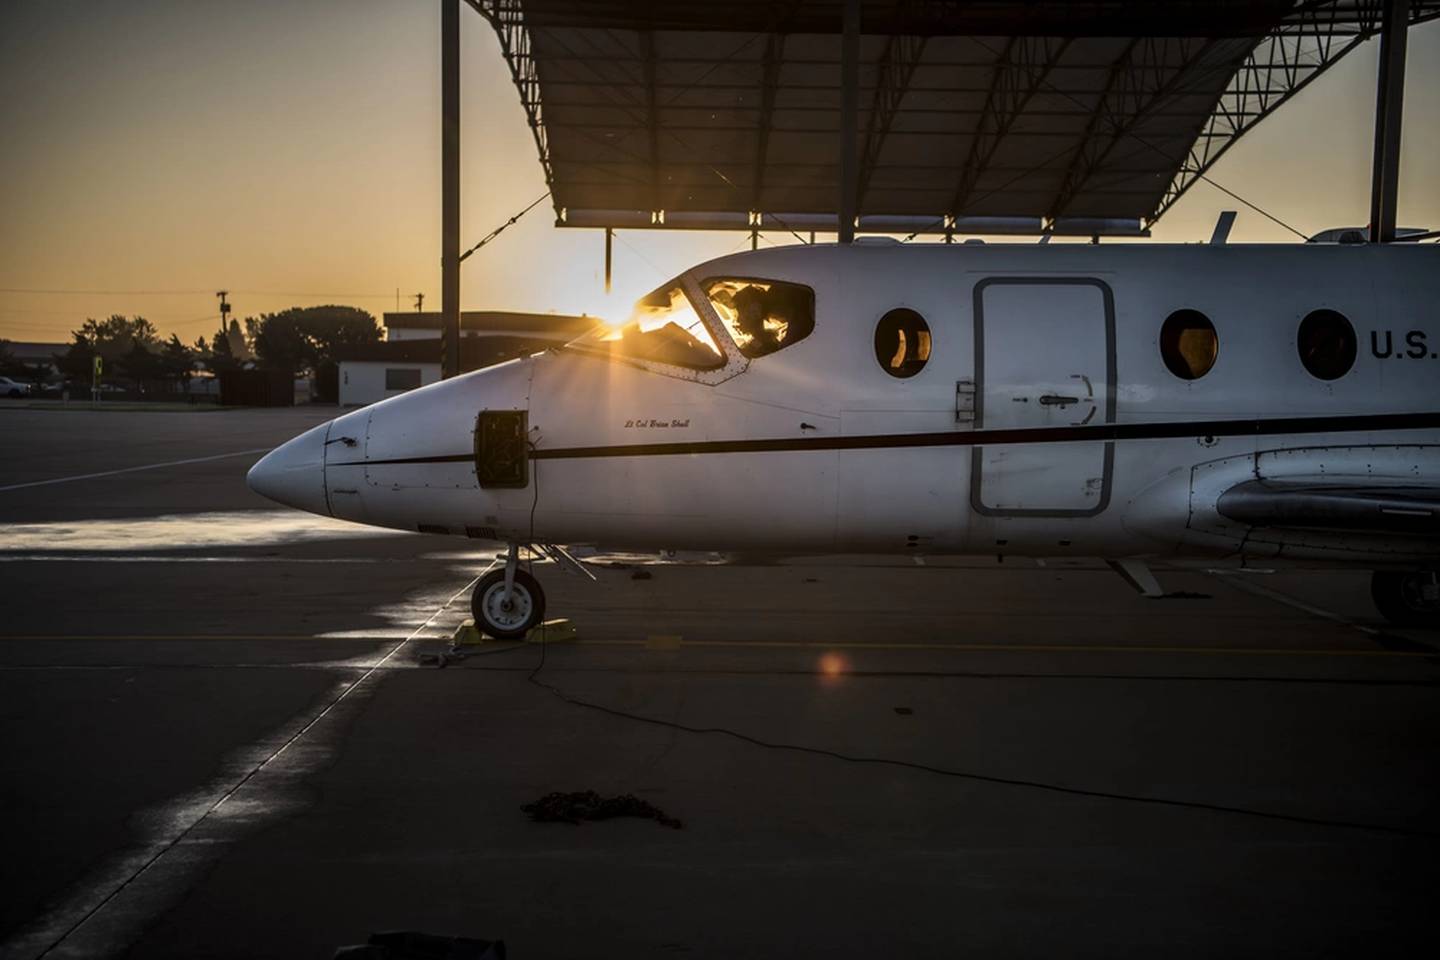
{"x": 1040, "y": 785}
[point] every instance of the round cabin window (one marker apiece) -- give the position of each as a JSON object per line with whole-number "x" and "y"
{"x": 1188, "y": 344}
{"x": 1326, "y": 342}
{"x": 902, "y": 342}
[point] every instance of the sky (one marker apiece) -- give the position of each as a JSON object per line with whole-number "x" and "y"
{"x": 156, "y": 151}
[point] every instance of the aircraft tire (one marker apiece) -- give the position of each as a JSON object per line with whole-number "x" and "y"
{"x": 526, "y": 611}
{"x": 1397, "y": 595}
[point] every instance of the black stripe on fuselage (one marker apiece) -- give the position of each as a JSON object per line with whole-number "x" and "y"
{"x": 1168, "y": 430}
{"x": 448, "y": 458}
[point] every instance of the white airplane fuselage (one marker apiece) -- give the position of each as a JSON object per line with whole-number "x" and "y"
{"x": 1045, "y": 421}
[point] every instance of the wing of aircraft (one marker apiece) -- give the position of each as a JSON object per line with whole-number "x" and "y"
{"x": 1370, "y": 508}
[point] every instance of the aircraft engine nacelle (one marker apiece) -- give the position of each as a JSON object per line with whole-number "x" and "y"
{"x": 1301, "y": 503}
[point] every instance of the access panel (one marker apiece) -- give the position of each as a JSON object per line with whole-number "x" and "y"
{"x": 1044, "y": 358}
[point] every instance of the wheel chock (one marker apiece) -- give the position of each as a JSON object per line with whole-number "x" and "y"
{"x": 553, "y": 631}
{"x": 467, "y": 633}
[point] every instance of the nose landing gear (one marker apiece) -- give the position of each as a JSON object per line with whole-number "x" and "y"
{"x": 508, "y": 602}
{"x": 1407, "y": 598}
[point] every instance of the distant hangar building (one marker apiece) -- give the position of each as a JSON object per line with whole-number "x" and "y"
{"x": 409, "y": 356}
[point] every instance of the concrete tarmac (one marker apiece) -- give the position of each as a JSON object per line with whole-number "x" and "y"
{"x": 219, "y": 740}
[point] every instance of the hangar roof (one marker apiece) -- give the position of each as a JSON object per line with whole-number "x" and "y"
{"x": 1046, "y": 113}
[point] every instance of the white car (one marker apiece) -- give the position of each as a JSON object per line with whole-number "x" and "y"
{"x": 13, "y": 388}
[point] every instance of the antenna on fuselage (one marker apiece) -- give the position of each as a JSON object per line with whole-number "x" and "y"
{"x": 1223, "y": 223}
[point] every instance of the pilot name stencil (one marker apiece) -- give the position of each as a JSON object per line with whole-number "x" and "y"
{"x": 650, "y": 423}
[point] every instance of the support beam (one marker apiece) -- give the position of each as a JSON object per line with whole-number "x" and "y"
{"x": 449, "y": 188}
{"x": 849, "y": 126}
{"x": 652, "y": 117}
{"x": 1297, "y": 51}
{"x": 1020, "y": 71}
{"x": 769, "y": 85}
{"x": 780, "y": 17}
{"x": 1149, "y": 72}
{"x": 894, "y": 69}
{"x": 609, "y": 241}
{"x": 1389, "y": 104}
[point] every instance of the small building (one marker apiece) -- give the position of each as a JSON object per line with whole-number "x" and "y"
{"x": 410, "y": 356}
{"x": 38, "y": 356}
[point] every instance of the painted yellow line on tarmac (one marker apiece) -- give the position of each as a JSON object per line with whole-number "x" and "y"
{"x": 796, "y": 645}
{"x": 1018, "y": 648}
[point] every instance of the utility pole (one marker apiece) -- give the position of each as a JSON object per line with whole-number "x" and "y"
{"x": 449, "y": 188}
{"x": 224, "y": 310}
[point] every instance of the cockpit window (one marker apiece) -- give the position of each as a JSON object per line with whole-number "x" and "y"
{"x": 664, "y": 328}
{"x": 763, "y": 315}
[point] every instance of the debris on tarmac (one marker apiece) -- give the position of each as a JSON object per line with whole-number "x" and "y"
{"x": 588, "y": 805}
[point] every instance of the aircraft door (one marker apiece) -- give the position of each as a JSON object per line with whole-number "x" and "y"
{"x": 1044, "y": 357}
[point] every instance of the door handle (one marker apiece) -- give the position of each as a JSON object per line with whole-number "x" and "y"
{"x": 1054, "y": 400}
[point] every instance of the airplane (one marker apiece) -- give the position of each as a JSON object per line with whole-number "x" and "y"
{"x": 1241, "y": 404}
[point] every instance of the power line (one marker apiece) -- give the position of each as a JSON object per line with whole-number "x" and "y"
{"x": 642, "y": 256}
{"x": 186, "y": 293}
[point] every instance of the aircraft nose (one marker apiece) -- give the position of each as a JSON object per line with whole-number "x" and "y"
{"x": 294, "y": 473}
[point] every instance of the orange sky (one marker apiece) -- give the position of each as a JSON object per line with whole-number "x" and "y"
{"x": 289, "y": 152}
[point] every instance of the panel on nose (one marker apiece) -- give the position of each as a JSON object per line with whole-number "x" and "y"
{"x": 294, "y": 473}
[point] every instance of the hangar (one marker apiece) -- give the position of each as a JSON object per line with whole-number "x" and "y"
{"x": 1036, "y": 117}
{"x": 1065, "y": 117}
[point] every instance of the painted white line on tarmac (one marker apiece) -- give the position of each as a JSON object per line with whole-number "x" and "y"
{"x": 109, "y": 558}
{"x": 148, "y": 466}
{"x": 1289, "y": 601}
{"x": 70, "y": 929}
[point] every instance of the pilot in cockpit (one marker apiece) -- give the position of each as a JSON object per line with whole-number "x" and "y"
{"x": 752, "y": 308}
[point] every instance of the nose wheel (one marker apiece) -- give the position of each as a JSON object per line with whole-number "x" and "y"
{"x": 507, "y": 614}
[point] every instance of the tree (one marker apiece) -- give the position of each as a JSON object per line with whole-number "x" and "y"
{"x": 140, "y": 364}
{"x": 114, "y": 339}
{"x": 308, "y": 338}
{"x": 9, "y": 365}
{"x": 177, "y": 361}
{"x": 116, "y": 336}
{"x": 222, "y": 356}
{"x": 77, "y": 362}
{"x": 128, "y": 346}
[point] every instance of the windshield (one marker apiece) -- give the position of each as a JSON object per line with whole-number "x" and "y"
{"x": 663, "y": 328}
{"x": 763, "y": 315}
